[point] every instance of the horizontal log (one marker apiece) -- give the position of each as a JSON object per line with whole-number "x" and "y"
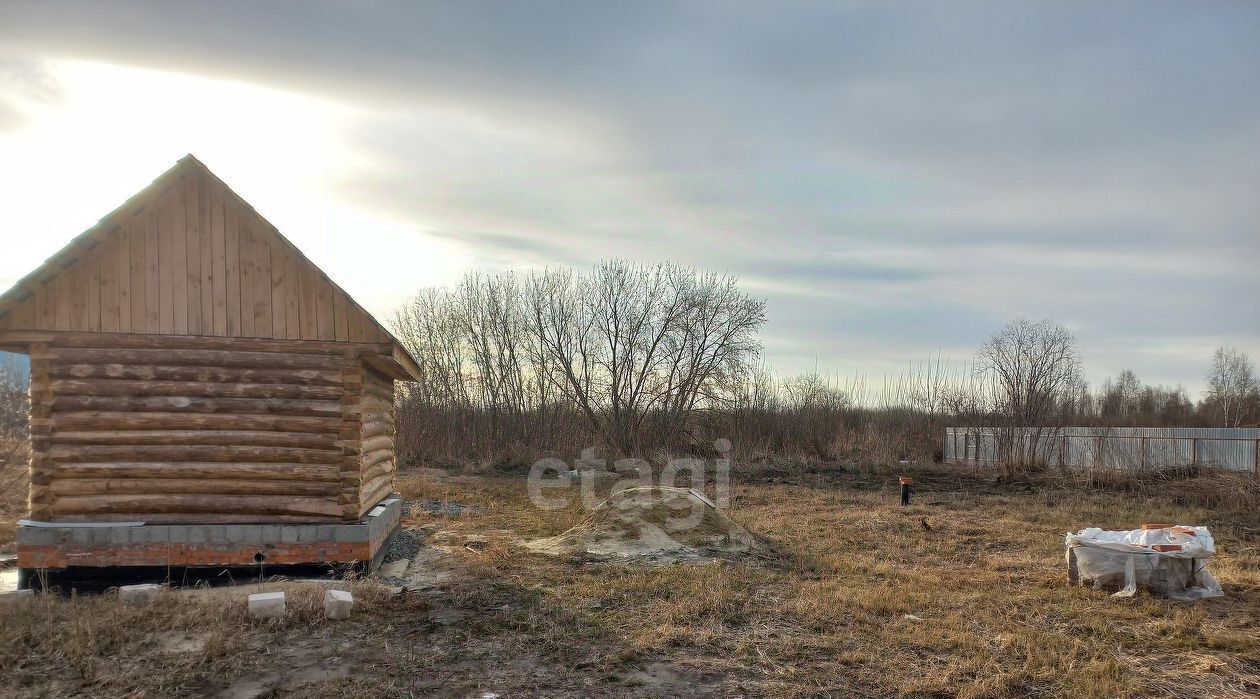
{"x": 195, "y": 357}
{"x": 226, "y": 452}
{"x": 154, "y": 341}
{"x": 196, "y": 504}
{"x": 192, "y": 486}
{"x": 377, "y": 429}
{"x": 307, "y": 440}
{"x": 385, "y": 393}
{"x": 381, "y": 469}
{"x": 373, "y": 493}
{"x": 114, "y": 420}
{"x": 373, "y": 458}
{"x": 273, "y": 406}
{"x": 149, "y": 372}
{"x": 377, "y": 444}
{"x": 327, "y": 473}
{"x": 192, "y": 389}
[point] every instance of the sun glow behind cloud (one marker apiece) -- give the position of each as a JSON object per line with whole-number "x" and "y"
{"x": 112, "y": 129}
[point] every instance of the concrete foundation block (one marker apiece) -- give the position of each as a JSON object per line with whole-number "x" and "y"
{"x": 266, "y": 605}
{"x": 16, "y": 596}
{"x": 337, "y": 604}
{"x": 138, "y": 595}
{"x": 351, "y": 533}
{"x": 251, "y": 534}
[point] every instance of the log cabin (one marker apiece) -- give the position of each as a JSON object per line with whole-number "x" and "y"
{"x": 190, "y": 367}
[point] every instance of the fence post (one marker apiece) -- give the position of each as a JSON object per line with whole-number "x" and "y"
{"x": 1062, "y": 450}
{"x": 1194, "y": 451}
{"x": 1256, "y": 454}
{"x": 1144, "y": 443}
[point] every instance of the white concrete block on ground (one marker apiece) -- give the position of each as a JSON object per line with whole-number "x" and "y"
{"x": 337, "y": 604}
{"x": 138, "y": 595}
{"x": 266, "y": 605}
{"x": 15, "y": 595}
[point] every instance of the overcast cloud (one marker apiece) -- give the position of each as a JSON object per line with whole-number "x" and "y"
{"x": 896, "y": 179}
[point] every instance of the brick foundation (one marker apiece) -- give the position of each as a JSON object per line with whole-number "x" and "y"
{"x": 67, "y": 545}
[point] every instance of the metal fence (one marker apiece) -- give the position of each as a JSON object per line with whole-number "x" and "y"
{"x": 1124, "y": 448}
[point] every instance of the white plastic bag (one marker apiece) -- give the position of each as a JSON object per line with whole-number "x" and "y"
{"x": 1168, "y": 561}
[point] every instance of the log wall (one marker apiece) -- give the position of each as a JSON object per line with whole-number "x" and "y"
{"x": 196, "y": 432}
{"x": 376, "y": 435}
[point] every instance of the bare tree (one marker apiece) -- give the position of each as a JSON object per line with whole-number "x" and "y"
{"x": 1233, "y": 390}
{"x": 624, "y": 349}
{"x": 637, "y": 346}
{"x": 1034, "y": 369}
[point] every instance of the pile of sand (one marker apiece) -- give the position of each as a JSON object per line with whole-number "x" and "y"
{"x": 654, "y": 524}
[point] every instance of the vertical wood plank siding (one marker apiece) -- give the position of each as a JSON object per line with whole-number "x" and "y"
{"x": 191, "y": 259}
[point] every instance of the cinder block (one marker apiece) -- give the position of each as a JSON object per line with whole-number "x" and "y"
{"x": 196, "y": 534}
{"x": 235, "y": 534}
{"x": 351, "y": 532}
{"x": 266, "y": 605}
{"x": 101, "y": 536}
{"x": 159, "y": 534}
{"x": 178, "y": 533}
{"x": 138, "y": 535}
{"x": 308, "y": 534}
{"x": 270, "y": 533}
{"x": 81, "y": 536}
{"x": 120, "y": 535}
{"x": 251, "y": 534}
{"x": 37, "y": 536}
{"x": 216, "y": 534}
{"x": 138, "y": 595}
{"x": 337, "y": 604}
{"x": 288, "y": 535}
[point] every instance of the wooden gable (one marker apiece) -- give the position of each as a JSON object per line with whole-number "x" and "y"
{"x": 187, "y": 256}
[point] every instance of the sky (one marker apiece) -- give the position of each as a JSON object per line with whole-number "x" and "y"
{"x": 896, "y": 179}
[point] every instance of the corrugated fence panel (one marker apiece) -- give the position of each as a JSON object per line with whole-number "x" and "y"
{"x": 1125, "y": 448}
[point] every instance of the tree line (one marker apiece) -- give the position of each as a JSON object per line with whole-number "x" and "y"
{"x": 665, "y": 359}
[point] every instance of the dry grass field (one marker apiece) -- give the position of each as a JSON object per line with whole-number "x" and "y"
{"x": 862, "y": 600}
